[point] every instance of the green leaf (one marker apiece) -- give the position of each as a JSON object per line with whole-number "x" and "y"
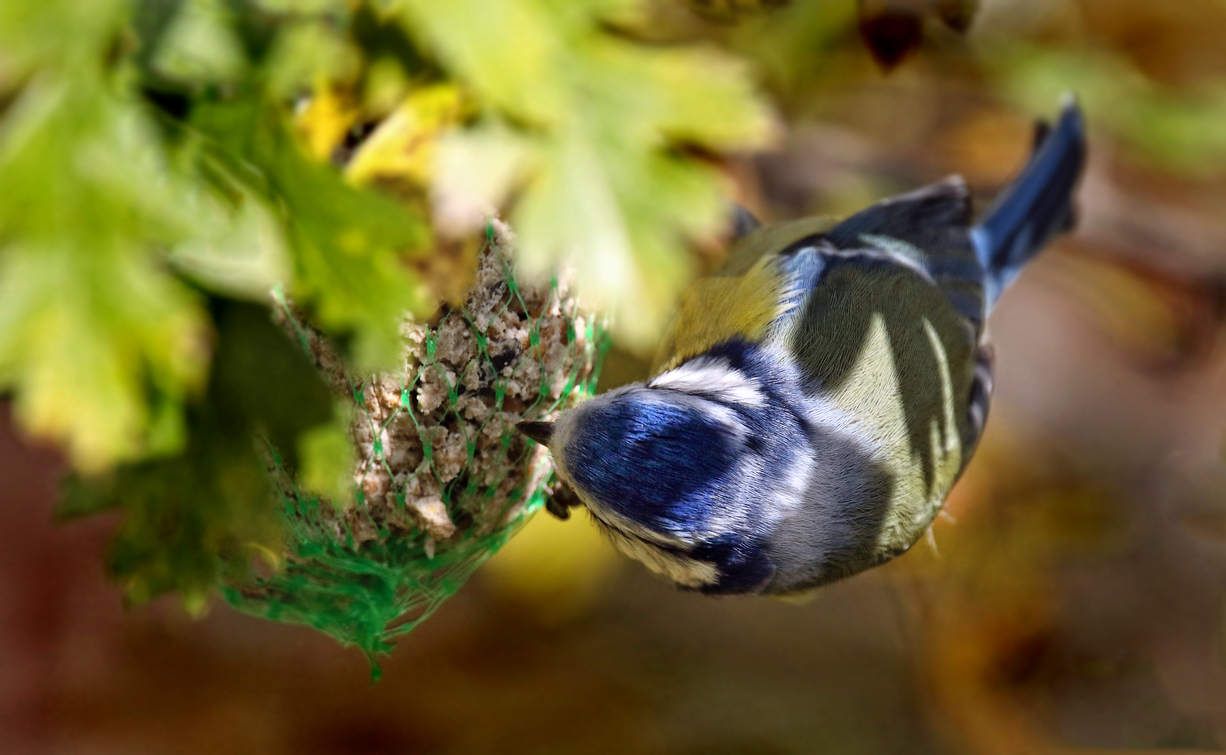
{"x": 243, "y": 256}
{"x": 192, "y": 516}
{"x": 507, "y": 52}
{"x": 592, "y": 156}
{"x": 60, "y": 33}
{"x": 96, "y": 336}
{"x": 306, "y": 53}
{"x": 201, "y": 45}
{"x": 631, "y": 258}
{"x": 349, "y": 247}
{"x": 327, "y": 461}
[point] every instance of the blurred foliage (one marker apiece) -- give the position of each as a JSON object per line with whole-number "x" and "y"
{"x": 165, "y": 159}
{"x": 1075, "y": 605}
{"x": 186, "y": 509}
{"x": 1172, "y": 129}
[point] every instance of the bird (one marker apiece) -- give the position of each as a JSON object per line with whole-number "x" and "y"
{"x": 817, "y": 397}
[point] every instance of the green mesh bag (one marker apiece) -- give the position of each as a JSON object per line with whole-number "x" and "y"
{"x": 442, "y": 478}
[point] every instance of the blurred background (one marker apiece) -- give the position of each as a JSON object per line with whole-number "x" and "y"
{"x": 1073, "y": 601}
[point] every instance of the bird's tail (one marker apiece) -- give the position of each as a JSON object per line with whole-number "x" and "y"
{"x": 1036, "y": 206}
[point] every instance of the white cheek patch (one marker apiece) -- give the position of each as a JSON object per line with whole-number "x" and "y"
{"x": 687, "y": 572}
{"x": 713, "y": 378}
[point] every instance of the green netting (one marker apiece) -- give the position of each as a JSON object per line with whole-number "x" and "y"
{"x": 442, "y": 477}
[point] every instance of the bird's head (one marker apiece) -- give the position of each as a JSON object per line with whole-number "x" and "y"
{"x": 657, "y": 468}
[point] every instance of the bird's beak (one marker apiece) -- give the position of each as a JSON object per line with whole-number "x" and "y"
{"x": 541, "y": 432}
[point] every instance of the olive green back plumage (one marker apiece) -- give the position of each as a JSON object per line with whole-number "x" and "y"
{"x": 746, "y": 291}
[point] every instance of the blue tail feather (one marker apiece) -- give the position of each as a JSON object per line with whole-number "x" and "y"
{"x": 1036, "y": 206}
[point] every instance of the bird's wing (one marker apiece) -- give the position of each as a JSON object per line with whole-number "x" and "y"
{"x": 928, "y": 231}
{"x": 876, "y": 337}
{"x": 981, "y": 399}
{"x": 930, "y": 228}
{"x": 888, "y": 328}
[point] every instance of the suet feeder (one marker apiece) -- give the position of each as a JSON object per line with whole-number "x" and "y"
{"x": 442, "y": 478}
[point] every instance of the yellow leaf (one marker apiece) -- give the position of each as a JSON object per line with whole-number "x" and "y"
{"x": 324, "y": 121}
{"x": 403, "y": 147}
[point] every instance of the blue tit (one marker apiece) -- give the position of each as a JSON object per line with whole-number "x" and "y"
{"x": 816, "y": 398}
